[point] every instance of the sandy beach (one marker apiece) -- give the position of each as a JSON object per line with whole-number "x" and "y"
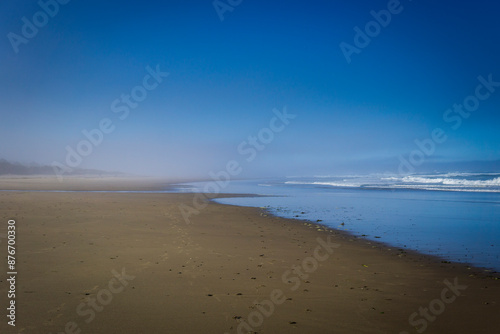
{"x": 128, "y": 263}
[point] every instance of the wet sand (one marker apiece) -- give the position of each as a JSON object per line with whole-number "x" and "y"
{"x": 129, "y": 263}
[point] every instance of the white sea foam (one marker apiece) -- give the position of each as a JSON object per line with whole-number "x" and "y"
{"x": 297, "y": 182}
{"x": 338, "y": 184}
{"x": 333, "y": 184}
{"x": 455, "y": 181}
{"x": 451, "y": 181}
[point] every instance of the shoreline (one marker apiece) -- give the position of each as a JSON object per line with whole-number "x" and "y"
{"x": 319, "y": 225}
{"x": 375, "y": 244}
{"x": 347, "y": 234}
{"x": 223, "y": 272}
{"x": 154, "y": 185}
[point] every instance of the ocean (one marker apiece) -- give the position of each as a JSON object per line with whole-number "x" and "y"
{"x": 455, "y": 216}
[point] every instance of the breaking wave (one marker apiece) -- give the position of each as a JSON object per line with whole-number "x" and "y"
{"x": 472, "y": 182}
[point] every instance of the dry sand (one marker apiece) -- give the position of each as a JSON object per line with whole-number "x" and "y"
{"x": 205, "y": 277}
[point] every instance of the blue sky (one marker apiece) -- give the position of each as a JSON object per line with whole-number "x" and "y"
{"x": 226, "y": 77}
